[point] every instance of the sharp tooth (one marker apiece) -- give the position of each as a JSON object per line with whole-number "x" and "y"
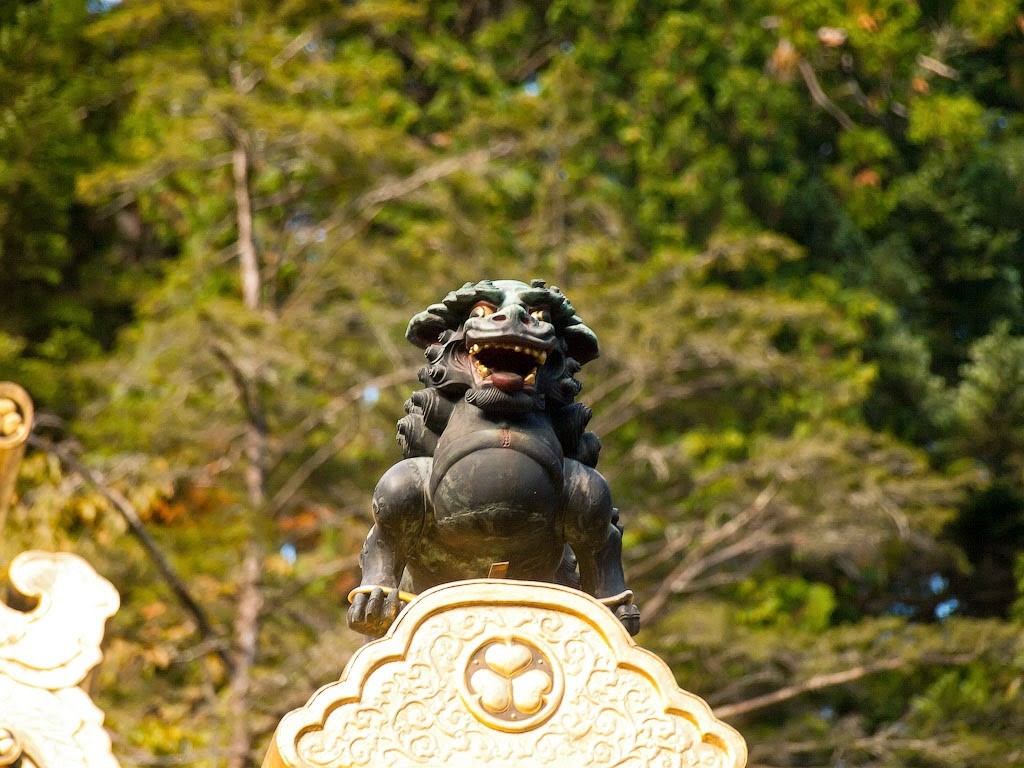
{"x": 475, "y": 349}
{"x": 543, "y": 357}
{"x": 531, "y": 377}
{"x": 484, "y": 370}
{"x": 517, "y": 348}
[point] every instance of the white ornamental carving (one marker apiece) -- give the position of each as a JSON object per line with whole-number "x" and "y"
{"x": 505, "y": 674}
{"x": 46, "y": 720}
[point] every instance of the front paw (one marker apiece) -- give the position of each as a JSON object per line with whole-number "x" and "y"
{"x": 629, "y": 615}
{"x": 371, "y": 613}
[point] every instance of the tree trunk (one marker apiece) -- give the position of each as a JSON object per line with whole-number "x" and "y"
{"x": 247, "y": 257}
{"x": 250, "y": 597}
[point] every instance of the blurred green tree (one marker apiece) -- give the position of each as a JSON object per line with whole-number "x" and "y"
{"x": 795, "y": 227}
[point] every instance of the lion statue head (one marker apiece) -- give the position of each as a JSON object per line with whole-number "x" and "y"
{"x": 508, "y": 348}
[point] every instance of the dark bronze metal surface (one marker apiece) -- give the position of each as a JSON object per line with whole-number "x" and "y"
{"x": 498, "y": 464}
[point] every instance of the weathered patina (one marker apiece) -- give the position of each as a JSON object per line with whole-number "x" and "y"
{"x": 498, "y": 467}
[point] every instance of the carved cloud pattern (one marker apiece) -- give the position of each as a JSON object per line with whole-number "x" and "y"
{"x": 413, "y": 697}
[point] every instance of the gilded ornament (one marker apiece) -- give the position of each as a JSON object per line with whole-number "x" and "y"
{"x": 16, "y": 415}
{"x": 46, "y": 720}
{"x": 507, "y": 674}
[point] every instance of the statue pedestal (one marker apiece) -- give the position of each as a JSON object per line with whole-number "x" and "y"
{"x": 504, "y": 673}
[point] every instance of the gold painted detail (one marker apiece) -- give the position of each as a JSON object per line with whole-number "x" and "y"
{"x": 511, "y": 685}
{"x": 10, "y": 749}
{"x": 498, "y": 570}
{"x": 44, "y": 654}
{"x": 405, "y": 597}
{"x": 16, "y": 416}
{"x": 506, "y": 674}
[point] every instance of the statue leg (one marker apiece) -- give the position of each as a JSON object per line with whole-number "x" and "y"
{"x": 592, "y": 530}
{"x": 399, "y": 506}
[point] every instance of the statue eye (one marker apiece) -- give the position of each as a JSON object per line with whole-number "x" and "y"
{"x": 483, "y": 309}
{"x": 542, "y": 314}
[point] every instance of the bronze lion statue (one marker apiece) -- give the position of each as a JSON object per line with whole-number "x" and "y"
{"x": 498, "y": 468}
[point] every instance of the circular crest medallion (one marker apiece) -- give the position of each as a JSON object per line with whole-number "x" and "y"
{"x": 510, "y": 684}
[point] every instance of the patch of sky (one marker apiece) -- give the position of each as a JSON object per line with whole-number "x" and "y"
{"x": 289, "y": 553}
{"x": 937, "y": 583}
{"x": 946, "y": 608}
{"x": 101, "y": 6}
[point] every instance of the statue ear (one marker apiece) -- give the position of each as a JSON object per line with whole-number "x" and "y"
{"x": 581, "y": 343}
{"x": 424, "y": 328}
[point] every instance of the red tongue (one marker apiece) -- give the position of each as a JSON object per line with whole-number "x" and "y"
{"x": 507, "y": 381}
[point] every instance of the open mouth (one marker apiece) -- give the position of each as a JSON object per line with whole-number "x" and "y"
{"x": 509, "y": 367}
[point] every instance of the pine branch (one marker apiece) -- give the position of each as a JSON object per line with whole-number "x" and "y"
{"x": 429, "y": 174}
{"x": 328, "y": 413}
{"x": 138, "y": 529}
{"x": 244, "y": 85}
{"x": 332, "y": 410}
{"x": 821, "y": 98}
{"x": 322, "y": 454}
{"x": 831, "y": 680}
{"x": 351, "y": 219}
{"x": 715, "y": 548}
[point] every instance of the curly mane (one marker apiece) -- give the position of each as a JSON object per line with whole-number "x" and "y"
{"x": 446, "y": 380}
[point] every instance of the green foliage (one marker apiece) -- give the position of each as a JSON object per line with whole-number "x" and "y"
{"x": 989, "y": 404}
{"x": 796, "y": 228}
{"x": 50, "y": 253}
{"x": 786, "y": 603}
{"x": 952, "y": 123}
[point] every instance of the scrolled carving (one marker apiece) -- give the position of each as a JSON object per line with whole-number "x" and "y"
{"x": 10, "y": 749}
{"x": 506, "y": 674}
{"x": 46, "y": 721}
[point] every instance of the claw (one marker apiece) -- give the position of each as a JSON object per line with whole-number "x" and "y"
{"x": 629, "y": 615}
{"x": 374, "y": 610}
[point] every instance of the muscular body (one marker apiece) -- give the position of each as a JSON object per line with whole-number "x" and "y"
{"x": 498, "y": 486}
